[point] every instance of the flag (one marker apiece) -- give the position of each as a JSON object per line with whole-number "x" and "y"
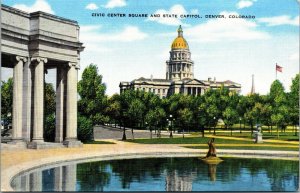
{"x": 278, "y": 68}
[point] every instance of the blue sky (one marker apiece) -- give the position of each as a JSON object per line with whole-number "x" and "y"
{"x": 128, "y": 48}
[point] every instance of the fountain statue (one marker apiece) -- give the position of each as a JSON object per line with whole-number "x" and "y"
{"x": 211, "y": 156}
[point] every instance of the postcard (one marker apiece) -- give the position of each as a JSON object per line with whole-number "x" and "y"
{"x": 130, "y": 95}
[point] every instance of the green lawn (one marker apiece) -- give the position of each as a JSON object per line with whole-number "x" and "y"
{"x": 187, "y": 140}
{"x": 286, "y": 136}
{"x": 249, "y": 148}
{"x": 98, "y": 142}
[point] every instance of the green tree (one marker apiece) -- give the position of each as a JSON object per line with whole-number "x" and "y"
{"x": 230, "y": 116}
{"x": 136, "y": 111}
{"x": 211, "y": 103}
{"x": 7, "y": 100}
{"x": 278, "y": 97}
{"x": 185, "y": 117}
{"x": 49, "y": 112}
{"x": 93, "y": 100}
{"x": 113, "y": 110}
{"x": 85, "y": 128}
{"x": 155, "y": 118}
{"x": 249, "y": 116}
{"x": 293, "y": 102}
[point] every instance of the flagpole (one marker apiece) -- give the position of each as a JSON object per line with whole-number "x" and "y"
{"x": 276, "y": 71}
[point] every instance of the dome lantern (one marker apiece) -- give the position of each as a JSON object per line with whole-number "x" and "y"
{"x": 180, "y": 42}
{"x": 180, "y": 32}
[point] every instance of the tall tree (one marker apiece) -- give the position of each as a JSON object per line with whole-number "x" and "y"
{"x": 49, "y": 112}
{"x": 7, "y": 100}
{"x": 185, "y": 117}
{"x": 136, "y": 111}
{"x": 93, "y": 100}
{"x": 278, "y": 97}
{"x": 249, "y": 115}
{"x": 113, "y": 109}
{"x": 230, "y": 116}
{"x": 293, "y": 102}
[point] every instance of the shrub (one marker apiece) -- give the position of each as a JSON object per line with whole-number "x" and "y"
{"x": 84, "y": 129}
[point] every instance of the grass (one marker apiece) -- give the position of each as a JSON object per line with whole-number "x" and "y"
{"x": 286, "y": 136}
{"x": 98, "y": 142}
{"x": 249, "y": 147}
{"x": 187, "y": 140}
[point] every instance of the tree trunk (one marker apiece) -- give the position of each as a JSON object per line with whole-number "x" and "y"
{"x": 271, "y": 129}
{"x": 124, "y": 134}
{"x": 132, "y": 133}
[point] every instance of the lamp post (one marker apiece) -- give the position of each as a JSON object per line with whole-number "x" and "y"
{"x": 124, "y": 130}
{"x": 240, "y": 125}
{"x": 171, "y": 126}
{"x": 214, "y": 126}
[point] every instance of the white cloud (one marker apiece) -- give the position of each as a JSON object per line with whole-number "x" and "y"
{"x": 129, "y": 34}
{"x": 176, "y": 9}
{"x": 244, "y": 3}
{"x": 115, "y": 3}
{"x": 89, "y": 28}
{"x": 225, "y": 30}
{"x": 92, "y": 6}
{"x": 39, "y": 5}
{"x": 280, "y": 20}
{"x": 294, "y": 57}
{"x": 194, "y": 11}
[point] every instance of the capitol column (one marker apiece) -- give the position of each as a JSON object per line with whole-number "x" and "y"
{"x": 38, "y": 101}
{"x": 71, "y": 107}
{"x": 17, "y": 99}
{"x": 60, "y": 106}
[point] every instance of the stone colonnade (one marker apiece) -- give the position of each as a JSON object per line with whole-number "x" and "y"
{"x": 66, "y": 103}
{"x": 32, "y": 43}
{"x": 64, "y": 179}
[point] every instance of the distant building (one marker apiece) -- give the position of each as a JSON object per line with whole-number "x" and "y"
{"x": 179, "y": 75}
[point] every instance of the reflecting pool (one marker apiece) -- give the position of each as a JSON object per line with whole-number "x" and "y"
{"x": 165, "y": 174}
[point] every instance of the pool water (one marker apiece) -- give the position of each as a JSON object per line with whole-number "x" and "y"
{"x": 165, "y": 174}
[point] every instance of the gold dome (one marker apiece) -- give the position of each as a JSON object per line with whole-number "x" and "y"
{"x": 179, "y": 42}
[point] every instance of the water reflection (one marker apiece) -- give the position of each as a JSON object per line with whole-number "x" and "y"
{"x": 177, "y": 182}
{"x": 212, "y": 170}
{"x": 62, "y": 178}
{"x": 165, "y": 174}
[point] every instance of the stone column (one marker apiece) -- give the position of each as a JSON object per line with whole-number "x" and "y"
{"x": 17, "y": 99}
{"x": 185, "y": 91}
{"x": 38, "y": 100}
{"x": 25, "y": 182}
{"x": 71, "y": 113}
{"x": 36, "y": 181}
{"x": 70, "y": 177}
{"x": 60, "y": 106}
{"x": 58, "y": 179}
{"x": 26, "y": 101}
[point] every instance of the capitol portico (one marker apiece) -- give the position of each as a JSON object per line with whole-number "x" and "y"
{"x": 32, "y": 43}
{"x": 179, "y": 75}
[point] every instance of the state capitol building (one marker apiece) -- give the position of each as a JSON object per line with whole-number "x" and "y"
{"x": 179, "y": 75}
